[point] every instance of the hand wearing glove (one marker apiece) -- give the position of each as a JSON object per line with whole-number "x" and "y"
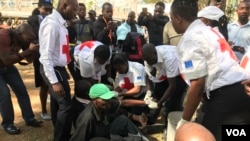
{"x": 180, "y": 123}
{"x": 148, "y": 97}
{"x": 116, "y": 93}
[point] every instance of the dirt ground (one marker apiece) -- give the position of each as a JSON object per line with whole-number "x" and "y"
{"x": 45, "y": 132}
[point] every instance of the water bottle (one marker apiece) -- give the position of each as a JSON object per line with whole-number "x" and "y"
{"x": 164, "y": 135}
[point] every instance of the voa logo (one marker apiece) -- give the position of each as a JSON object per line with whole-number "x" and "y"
{"x": 236, "y": 132}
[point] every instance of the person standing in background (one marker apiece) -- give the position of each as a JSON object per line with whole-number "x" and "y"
{"x": 104, "y": 27}
{"x": 154, "y": 23}
{"x": 92, "y": 15}
{"x": 238, "y": 31}
{"x": 83, "y": 27}
{"x": 54, "y": 51}
{"x": 44, "y": 8}
{"x": 170, "y": 37}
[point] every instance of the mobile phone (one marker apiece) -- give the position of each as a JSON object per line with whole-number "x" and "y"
{"x": 145, "y": 10}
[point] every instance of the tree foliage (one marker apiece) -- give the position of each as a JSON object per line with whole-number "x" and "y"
{"x": 151, "y": 1}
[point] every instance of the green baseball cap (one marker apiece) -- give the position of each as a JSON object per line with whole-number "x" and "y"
{"x": 100, "y": 91}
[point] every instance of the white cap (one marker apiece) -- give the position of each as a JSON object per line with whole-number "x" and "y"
{"x": 211, "y": 13}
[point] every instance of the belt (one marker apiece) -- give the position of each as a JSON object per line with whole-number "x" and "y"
{"x": 224, "y": 87}
{"x": 59, "y": 68}
{"x": 81, "y": 100}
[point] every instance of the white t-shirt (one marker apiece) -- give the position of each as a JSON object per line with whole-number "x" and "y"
{"x": 204, "y": 52}
{"x": 167, "y": 64}
{"x": 134, "y": 77}
{"x": 85, "y": 61}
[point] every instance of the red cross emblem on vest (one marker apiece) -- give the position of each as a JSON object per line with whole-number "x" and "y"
{"x": 127, "y": 84}
{"x": 65, "y": 49}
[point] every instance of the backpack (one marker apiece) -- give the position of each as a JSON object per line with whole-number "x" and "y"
{"x": 132, "y": 45}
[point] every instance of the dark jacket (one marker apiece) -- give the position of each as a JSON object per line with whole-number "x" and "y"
{"x": 34, "y": 21}
{"x": 155, "y": 28}
{"x": 101, "y": 34}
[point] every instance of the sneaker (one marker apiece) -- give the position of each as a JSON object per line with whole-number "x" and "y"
{"x": 45, "y": 116}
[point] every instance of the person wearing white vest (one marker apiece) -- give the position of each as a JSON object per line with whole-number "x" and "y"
{"x": 208, "y": 62}
{"x": 130, "y": 83}
{"x": 91, "y": 58}
{"x": 54, "y": 51}
{"x": 161, "y": 65}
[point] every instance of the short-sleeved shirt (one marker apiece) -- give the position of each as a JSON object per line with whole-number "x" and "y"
{"x": 134, "y": 77}
{"x": 85, "y": 61}
{"x": 167, "y": 64}
{"x": 91, "y": 124}
{"x": 240, "y": 36}
{"x": 205, "y": 53}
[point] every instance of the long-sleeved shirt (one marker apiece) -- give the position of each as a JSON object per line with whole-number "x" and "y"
{"x": 54, "y": 44}
{"x": 101, "y": 34}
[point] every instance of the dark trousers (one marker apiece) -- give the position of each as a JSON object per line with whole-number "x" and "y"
{"x": 122, "y": 126}
{"x": 10, "y": 75}
{"x": 174, "y": 102}
{"x": 137, "y": 110}
{"x": 77, "y": 108}
{"x": 60, "y": 105}
{"x": 227, "y": 105}
{"x": 75, "y": 72}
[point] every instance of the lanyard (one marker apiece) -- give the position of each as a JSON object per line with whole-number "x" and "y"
{"x": 110, "y": 31}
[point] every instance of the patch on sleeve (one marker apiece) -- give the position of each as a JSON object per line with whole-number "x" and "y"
{"x": 188, "y": 64}
{"x": 139, "y": 77}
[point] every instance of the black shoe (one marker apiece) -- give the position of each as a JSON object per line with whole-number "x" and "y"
{"x": 12, "y": 129}
{"x": 35, "y": 123}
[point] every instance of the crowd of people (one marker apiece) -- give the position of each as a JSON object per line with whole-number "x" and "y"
{"x": 122, "y": 80}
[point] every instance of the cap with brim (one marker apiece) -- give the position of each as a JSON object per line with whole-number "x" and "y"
{"x": 100, "y": 91}
{"x": 47, "y": 5}
{"x": 211, "y": 13}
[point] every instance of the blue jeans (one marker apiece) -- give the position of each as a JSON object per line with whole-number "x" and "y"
{"x": 10, "y": 75}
